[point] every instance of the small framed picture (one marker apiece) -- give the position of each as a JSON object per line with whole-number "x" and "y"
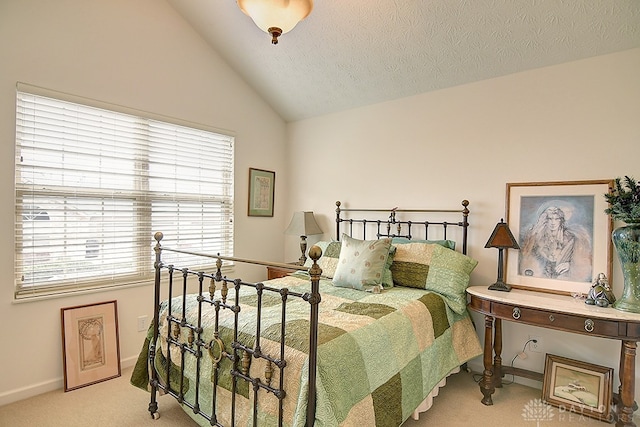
{"x": 578, "y": 387}
{"x": 563, "y": 233}
{"x": 261, "y": 192}
{"x": 90, "y": 347}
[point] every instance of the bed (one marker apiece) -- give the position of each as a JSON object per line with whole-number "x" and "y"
{"x": 365, "y": 333}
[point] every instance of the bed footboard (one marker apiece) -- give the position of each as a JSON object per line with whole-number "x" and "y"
{"x": 182, "y": 340}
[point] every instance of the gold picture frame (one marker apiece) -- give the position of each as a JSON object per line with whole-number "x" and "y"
{"x": 90, "y": 347}
{"x": 579, "y": 387}
{"x": 563, "y": 233}
{"x": 261, "y": 192}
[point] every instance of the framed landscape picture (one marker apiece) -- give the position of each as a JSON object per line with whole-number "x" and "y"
{"x": 261, "y": 192}
{"x": 563, "y": 233}
{"x": 578, "y": 387}
{"x": 90, "y": 348}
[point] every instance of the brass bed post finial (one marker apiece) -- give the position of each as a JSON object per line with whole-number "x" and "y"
{"x": 465, "y": 210}
{"x": 315, "y": 253}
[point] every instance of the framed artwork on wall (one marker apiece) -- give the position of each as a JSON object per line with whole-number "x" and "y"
{"x": 578, "y": 387}
{"x": 90, "y": 347}
{"x": 563, "y": 233}
{"x": 261, "y": 192}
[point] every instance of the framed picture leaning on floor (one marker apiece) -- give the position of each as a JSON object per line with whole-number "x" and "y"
{"x": 578, "y": 387}
{"x": 90, "y": 347}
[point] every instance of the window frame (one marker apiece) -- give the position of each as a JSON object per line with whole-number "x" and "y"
{"x": 143, "y": 201}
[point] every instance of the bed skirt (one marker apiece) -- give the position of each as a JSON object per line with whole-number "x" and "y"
{"x": 428, "y": 401}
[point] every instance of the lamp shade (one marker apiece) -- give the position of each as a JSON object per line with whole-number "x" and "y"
{"x": 303, "y": 224}
{"x": 280, "y": 14}
{"x": 502, "y": 237}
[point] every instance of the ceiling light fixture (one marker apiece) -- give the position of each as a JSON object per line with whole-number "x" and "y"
{"x": 276, "y": 17}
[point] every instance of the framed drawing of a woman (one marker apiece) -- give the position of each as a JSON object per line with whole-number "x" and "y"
{"x": 563, "y": 233}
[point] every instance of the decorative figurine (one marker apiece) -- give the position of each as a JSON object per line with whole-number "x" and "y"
{"x": 600, "y": 293}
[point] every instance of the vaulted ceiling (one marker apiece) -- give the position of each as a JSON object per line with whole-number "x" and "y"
{"x": 350, "y": 53}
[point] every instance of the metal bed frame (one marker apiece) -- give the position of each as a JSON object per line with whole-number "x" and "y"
{"x": 392, "y": 222}
{"x": 237, "y": 353}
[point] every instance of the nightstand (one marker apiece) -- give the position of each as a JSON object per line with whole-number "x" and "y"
{"x": 276, "y": 272}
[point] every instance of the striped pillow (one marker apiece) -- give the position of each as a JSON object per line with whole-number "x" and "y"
{"x": 410, "y": 266}
{"x": 449, "y": 276}
{"x": 329, "y": 259}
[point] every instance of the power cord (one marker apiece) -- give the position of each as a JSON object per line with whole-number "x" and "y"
{"x": 477, "y": 378}
{"x": 522, "y": 355}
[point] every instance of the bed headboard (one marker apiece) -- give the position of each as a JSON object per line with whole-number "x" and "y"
{"x": 427, "y": 224}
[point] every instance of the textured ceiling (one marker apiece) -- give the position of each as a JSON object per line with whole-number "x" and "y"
{"x": 350, "y": 53}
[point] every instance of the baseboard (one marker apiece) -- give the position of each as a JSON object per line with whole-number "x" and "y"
{"x": 47, "y": 386}
{"x": 478, "y": 367}
{"x": 30, "y": 391}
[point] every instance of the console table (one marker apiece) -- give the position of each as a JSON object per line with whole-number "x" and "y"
{"x": 559, "y": 312}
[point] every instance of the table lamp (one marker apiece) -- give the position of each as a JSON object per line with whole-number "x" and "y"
{"x": 303, "y": 224}
{"x": 501, "y": 238}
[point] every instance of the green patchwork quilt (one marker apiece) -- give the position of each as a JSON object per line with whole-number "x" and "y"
{"x": 379, "y": 355}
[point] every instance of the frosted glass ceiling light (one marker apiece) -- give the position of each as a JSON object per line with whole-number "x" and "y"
{"x": 276, "y": 17}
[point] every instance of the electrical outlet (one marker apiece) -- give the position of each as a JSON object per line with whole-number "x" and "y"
{"x": 142, "y": 323}
{"x": 535, "y": 347}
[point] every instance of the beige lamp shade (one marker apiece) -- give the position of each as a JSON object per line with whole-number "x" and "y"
{"x": 303, "y": 224}
{"x": 276, "y": 17}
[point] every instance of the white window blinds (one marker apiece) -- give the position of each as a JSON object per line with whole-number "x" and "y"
{"x": 93, "y": 185}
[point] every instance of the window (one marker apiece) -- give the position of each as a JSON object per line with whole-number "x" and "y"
{"x": 93, "y": 185}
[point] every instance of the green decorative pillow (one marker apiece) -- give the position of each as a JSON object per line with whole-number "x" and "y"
{"x": 362, "y": 263}
{"x": 329, "y": 259}
{"x": 451, "y": 244}
{"x": 449, "y": 275}
{"x": 411, "y": 264}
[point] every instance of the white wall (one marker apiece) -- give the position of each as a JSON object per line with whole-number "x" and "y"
{"x": 575, "y": 121}
{"x": 142, "y": 55}
{"x": 569, "y": 122}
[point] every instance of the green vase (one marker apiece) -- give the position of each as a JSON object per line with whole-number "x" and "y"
{"x": 626, "y": 240}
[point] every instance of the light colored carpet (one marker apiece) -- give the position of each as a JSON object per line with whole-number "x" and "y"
{"x": 116, "y": 403}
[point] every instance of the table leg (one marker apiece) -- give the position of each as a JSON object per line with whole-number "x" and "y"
{"x": 497, "y": 350}
{"x": 616, "y": 399}
{"x": 486, "y": 384}
{"x": 625, "y": 406}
